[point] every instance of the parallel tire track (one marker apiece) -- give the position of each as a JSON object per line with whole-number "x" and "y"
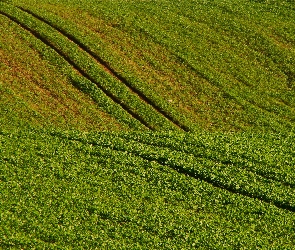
{"x": 225, "y": 162}
{"x": 180, "y": 169}
{"x": 77, "y": 68}
{"x": 108, "y": 69}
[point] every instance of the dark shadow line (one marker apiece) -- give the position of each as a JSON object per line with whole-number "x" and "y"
{"x": 225, "y": 162}
{"x": 181, "y": 170}
{"x": 81, "y": 71}
{"x": 191, "y": 173}
{"x": 108, "y": 69}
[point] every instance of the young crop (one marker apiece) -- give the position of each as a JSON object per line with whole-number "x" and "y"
{"x": 180, "y": 77}
{"x": 237, "y": 178}
{"x": 58, "y": 188}
{"x": 88, "y": 67}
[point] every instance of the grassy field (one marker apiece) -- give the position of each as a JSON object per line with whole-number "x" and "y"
{"x": 147, "y": 124}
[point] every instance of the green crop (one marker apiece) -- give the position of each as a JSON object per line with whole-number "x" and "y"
{"x": 88, "y": 67}
{"x": 205, "y": 60}
{"x": 78, "y": 190}
{"x": 147, "y": 124}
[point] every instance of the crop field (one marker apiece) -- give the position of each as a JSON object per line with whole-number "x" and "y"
{"x": 171, "y": 65}
{"x": 158, "y": 124}
{"x": 146, "y": 190}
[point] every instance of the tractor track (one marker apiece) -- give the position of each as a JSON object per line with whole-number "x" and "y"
{"x": 225, "y": 162}
{"x": 77, "y": 68}
{"x": 105, "y": 65}
{"x": 180, "y": 169}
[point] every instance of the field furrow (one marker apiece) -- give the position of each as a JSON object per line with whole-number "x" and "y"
{"x": 88, "y": 67}
{"x": 161, "y": 124}
{"x": 266, "y": 166}
{"x": 108, "y": 69}
{"x": 227, "y": 176}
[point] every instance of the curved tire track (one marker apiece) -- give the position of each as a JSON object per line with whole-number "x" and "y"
{"x": 108, "y": 69}
{"x": 225, "y": 162}
{"x": 180, "y": 169}
{"x": 77, "y": 68}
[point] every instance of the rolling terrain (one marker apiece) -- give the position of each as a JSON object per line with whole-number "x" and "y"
{"x": 147, "y": 124}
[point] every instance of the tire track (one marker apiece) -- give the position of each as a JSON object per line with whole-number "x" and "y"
{"x": 224, "y": 162}
{"x": 77, "y": 68}
{"x": 180, "y": 169}
{"x": 109, "y": 69}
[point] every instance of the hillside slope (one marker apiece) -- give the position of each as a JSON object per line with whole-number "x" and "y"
{"x": 33, "y": 92}
{"x": 189, "y": 64}
{"x": 147, "y": 124}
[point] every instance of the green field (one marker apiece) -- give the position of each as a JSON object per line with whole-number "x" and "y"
{"x": 147, "y": 124}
